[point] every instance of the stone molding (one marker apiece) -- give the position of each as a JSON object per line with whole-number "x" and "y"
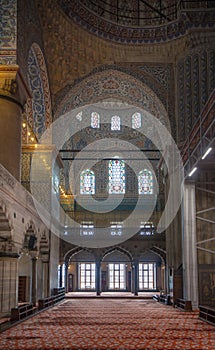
{"x": 135, "y": 35}
{"x": 5, "y": 177}
{"x": 12, "y": 84}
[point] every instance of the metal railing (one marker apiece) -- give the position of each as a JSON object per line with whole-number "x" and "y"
{"x": 200, "y": 137}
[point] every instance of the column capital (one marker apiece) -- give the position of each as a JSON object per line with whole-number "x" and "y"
{"x": 9, "y": 255}
{"x": 189, "y": 182}
{"x": 135, "y": 262}
{"x": 13, "y": 85}
{"x": 45, "y": 258}
{"x": 8, "y": 250}
{"x": 34, "y": 254}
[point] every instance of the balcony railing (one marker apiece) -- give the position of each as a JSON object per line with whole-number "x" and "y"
{"x": 200, "y": 137}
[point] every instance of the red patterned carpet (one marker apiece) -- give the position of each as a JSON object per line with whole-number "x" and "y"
{"x": 98, "y": 324}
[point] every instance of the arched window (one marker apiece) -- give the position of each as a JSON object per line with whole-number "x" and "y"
{"x": 115, "y": 123}
{"x": 79, "y": 116}
{"x": 87, "y": 182}
{"x": 136, "y": 120}
{"x": 145, "y": 182}
{"x": 95, "y": 120}
{"x": 116, "y": 170}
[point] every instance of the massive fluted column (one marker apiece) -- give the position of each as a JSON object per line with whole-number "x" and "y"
{"x": 190, "y": 271}
{"x": 8, "y": 282}
{"x": 13, "y": 95}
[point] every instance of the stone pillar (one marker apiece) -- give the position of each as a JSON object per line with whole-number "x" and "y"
{"x": 66, "y": 276}
{"x": 45, "y": 279}
{"x": 44, "y": 255}
{"x": 8, "y": 282}
{"x": 13, "y": 95}
{"x": 34, "y": 281}
{"x": 190, "y": 271}
{"x": 61, "y": 277}
{"x": 98, "y": 277}
{"x": 135, "y": 277}
{"x": 163, "y": 277}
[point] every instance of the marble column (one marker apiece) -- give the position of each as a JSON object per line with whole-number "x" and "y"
{"x": 44, "y": 255}
{"x": 13, "y": 95}
{"x": 34, "y": 281}
{"x": 190, "y": 269}
{"x": 98, "y": 277}
{"x": 60, "y": 277}
{"x": 163, "y": 277}
{"x": 8, "y": 282}
{"x": 45, "y": 279}
{"x": 135, "y": 277}
{"x": 65, "y": 276}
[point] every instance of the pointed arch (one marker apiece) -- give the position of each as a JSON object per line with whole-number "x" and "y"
{"x": 120, "y": 250}
{"x": 30, "y": 227}
{"x": 71, "y": 252}
{"x": 38, "y": 109}
{"x": 30, "y": 237}
{"x": 115, "y": 84}
{"x": 160, "y": 252}
{"x": 74, "y": 251}
{"x": 5, "y": 224}
{"x": 44, "y": 243}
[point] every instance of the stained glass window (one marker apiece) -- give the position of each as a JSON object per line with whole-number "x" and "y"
{"x": 95, "y": 120}
{"x": 116, "y": 176}
{"x": 136, "y": 120}
{"x": 87, "y": 182}
{"x": 115, "y": 122}
{"x": 145, "y": 182}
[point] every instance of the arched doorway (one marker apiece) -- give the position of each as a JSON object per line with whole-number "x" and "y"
{"x": 28, "y": 267}
{"x": 116, "y": 271}
{"x": 150, "y": 277}
{"x": 8, "y": 263}
{"x": 81, "y": 271}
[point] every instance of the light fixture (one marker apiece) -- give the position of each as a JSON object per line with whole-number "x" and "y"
{"x": 192, "y": 171}
{"x": 24, "y": 125}
{"x": 207, "y": 152}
